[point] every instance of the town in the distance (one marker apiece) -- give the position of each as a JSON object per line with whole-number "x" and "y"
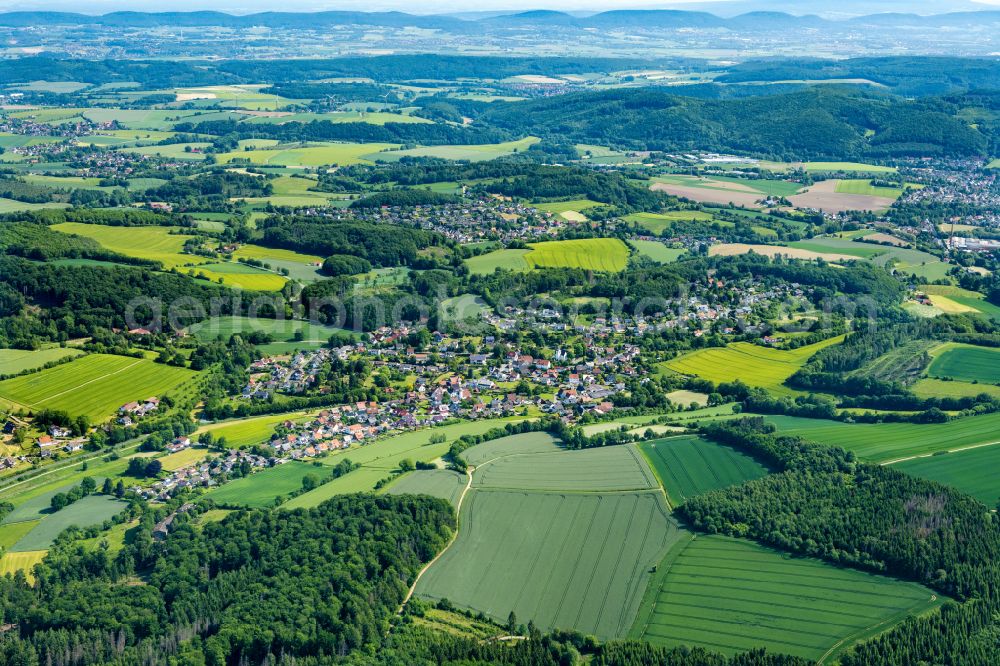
{"x": 561, "y": 338}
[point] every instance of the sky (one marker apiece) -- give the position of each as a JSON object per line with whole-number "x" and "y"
{"x": 409, "y": 6}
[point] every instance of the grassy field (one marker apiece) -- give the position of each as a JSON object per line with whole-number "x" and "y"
{"x": 90, "y": 510}
{"x": 64, "y": 87}
{"x": 283, "y": 330}
{"x": 250, "y": 251}
{"x": 613, "y": 468}
{"x": 948, "y": 306}
{"x": 11, "y": 533}
{"x": 564, "y": 538}
{"x": 95, "y": 385}
{"x": 597, "y": 254}
{"x": 686, "y": 398}
{"x": 313, "y": 154}
{"x": 189, "y": 456}
{"x": 765, "y": 367}
{"x": 967, "y": 363}
{"x": 472, "y": 153}
{"x": 633, "y": 424}
{"x": 247, "y": 432}
{"x": 731, "y": 184}
{"x": 972, "y": 471}
{"x": 12, "y": 206}
{"x": 13, "y": 562}
{"x": 380, "y": 459}
{"x": 656, "y": 223}
{"x": 32, "y": 507}
{"x": 13, "y": 361}
{"x": 980, "y": 305}
{"x": 242, "y": 276}
{"x": 947, "y": 290}
{"x": 173, "y": 151}
{"x": 31, "y": 495}
{"x": 372, "y": 118}
{"x": 444, "y": 483}
{"x": 153, "y": 243}
{"x": 152, "y": 119}
{"x": 689, "y": 465}
{"x": 730, "y": 595}
{"x": 847, "y": 166}
{"x": 524, "y": 443}
{"x": 865, "y": 187}
{"x": 261, "y": 488}
{"x": 928, "y": 387}
{"x": 74, "y": 182}
{"x": 882, "y": 442}
{"x": 569, "y": 210}
{"x": 294, "y": 191}
{"x": 657, "y": 251}
{"x": 508, "y": 260}
{"x": 905, "y": 260}
{"x": 828, "y": 244}
{"x": 466, "y": 306}
{"x": 560, "y": 559}
{"x": 731, "y": 249}
{"x": 299, "y": 266}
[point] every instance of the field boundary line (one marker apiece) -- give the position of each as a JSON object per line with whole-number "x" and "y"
{"x": 454, "y": 537}
{"x": 659, "y": 482}
{"x": 861, "y": 634}
{"x": 937, "y": 453}
{"x": 95, "y": 379}
{"x": 72, "y": 463}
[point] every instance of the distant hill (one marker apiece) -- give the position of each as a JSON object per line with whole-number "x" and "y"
{"x": 210, "y": 18}
{"x": 905, "y": 75}
{"x": 754, "y": 18}
{"x": 808, "y": 124}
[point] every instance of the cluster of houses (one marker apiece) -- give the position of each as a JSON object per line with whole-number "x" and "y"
{"x": 110, "y": 163}
{"x": 713, "y": 306}
{"x": 9, "y": 427}
{"x": 285, "y": 373}
{"x": 332, "y": 429}
{"x": 203, "y": 474}
{"x": 485, "y": 218}
{"x": 59, "y": 439}
{"x": 132, "y": 411}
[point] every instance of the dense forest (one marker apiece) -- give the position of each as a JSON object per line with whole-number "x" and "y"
{"x": 230, "y": 592}
{"x": 76, "y": 301}
{"x": 800, "y": 125}
{"x": 905, "y": 75}
{"x": 235, "y": 591}
{"x": 381, "y": 245}
{"x": 826, "y": 504}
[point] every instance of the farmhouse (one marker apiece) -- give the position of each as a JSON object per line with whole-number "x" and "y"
{"x": 46, "y": 445}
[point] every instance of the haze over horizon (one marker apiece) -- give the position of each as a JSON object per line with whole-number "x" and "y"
{"x": 457, "y": 7}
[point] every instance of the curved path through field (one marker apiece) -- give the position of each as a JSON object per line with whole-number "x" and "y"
{"x": 458, "y": 519}
{"x": 454, "y": 536}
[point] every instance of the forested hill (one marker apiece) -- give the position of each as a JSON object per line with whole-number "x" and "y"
{"x": 831, "y": 123}
{"x": 904, "y": 75}
{"x": 255, "y": 586}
